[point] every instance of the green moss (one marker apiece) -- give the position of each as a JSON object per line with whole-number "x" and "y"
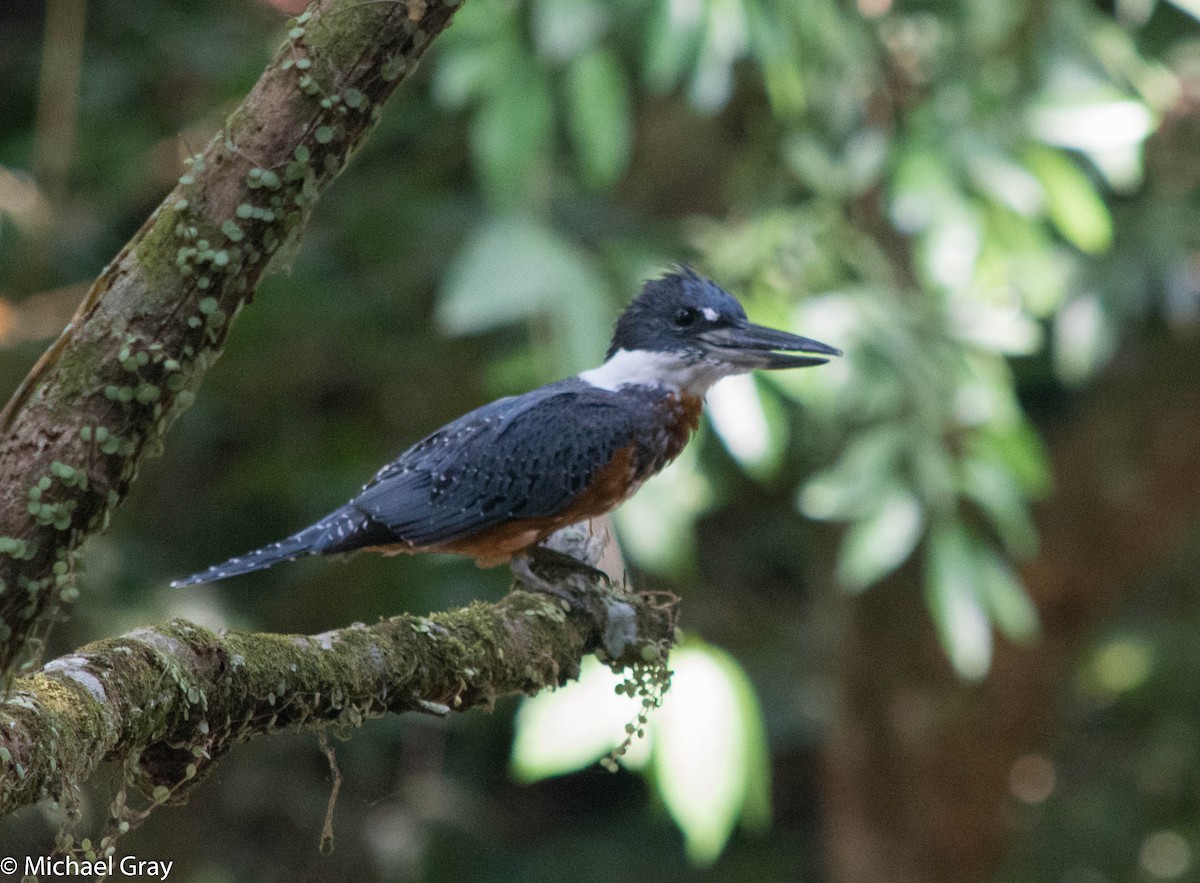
{"x": 78, "y": 369}
{"x": 158, "y": 249}
{"x": 343, "y": 45}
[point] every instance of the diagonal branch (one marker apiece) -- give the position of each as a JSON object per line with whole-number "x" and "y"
{"x": 103, "y": 396}
{"x": 170, "y": 700}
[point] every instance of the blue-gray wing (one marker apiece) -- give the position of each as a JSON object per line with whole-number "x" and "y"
{"x": 525, "y": 457}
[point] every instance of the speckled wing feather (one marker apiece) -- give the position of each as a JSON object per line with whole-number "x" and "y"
{"x": 512, "y": 459}
{"x": 523, "y": 457}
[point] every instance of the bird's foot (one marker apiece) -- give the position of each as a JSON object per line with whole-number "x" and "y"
{"x": 526, "y": 565}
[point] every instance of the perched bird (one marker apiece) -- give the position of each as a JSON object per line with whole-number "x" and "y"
{"x": 496, "y": 482}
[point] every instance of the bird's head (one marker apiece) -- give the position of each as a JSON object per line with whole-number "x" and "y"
{"x": 685, "y": 331}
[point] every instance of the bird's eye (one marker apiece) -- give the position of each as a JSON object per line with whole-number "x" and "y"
{"x": 685, "y": 317}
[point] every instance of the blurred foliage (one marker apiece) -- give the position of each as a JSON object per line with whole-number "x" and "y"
{"x": 704, "y": 748}
{"x": 961, "y": 194}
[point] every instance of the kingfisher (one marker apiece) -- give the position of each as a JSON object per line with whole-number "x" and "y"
{"x": 496, "y": 482}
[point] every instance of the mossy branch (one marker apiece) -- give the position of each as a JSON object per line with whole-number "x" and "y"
{"x": 169, "y": 701}
{"x": 103, "y": 396}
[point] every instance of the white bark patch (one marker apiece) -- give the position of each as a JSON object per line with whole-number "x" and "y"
{"x": 75, "y": 668}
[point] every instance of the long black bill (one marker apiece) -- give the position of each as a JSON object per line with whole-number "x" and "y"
{"x": 756, "y": 346}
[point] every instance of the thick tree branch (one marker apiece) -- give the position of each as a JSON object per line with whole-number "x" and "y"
{"x": 170, "y": 700}
{"x": 103, "y": 396}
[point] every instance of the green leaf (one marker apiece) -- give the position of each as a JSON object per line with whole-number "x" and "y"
{"x": 567, "y": 729}
{"x": 749, "y": 423}
{"x": 512, "y": 136}
{"x": 1191, "y": 7}
{"x": 466, "y": 73}
{"x": 563, "y": 29}
{"x": 672, "y": 45}
{"x": 710, "y": 759}
{"x": 953, "y": 599}
{"x": 1074, "y": 205}
{"x": 997, "y": 492}
{"x": 1007, "y": 601}
{"x": 815, "y": 165}
{"x": 724, "y": 42}
{"x": 599, "y": 117}
{"x": 581, "y": 321}
{"x": 776, "y": 50}
{"x": 853, "y": 484}
{"x": 1084, "y": 338}
{"x": 1003, "y": 179}
{"x": 514, "y": 268}
{"x": 656, "y": 525}
{"x": 881, "y": 541}
{"x": 1019, "y": 448}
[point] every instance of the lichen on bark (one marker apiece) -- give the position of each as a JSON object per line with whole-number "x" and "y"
{"x": 105, "y": 393}
{"x": 170, "y": 700}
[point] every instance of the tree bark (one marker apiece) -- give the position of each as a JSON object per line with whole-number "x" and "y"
{"x": 105, "y": 393}
{"x": 917, "y": 763}
{"x": 168, "y": 701}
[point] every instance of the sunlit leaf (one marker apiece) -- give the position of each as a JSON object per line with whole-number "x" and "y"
{"x": 739, "y": 413}
{"x": 673, "y": 42}
{"x": 710, "y": 756}
{"x": 1083, "y": 338}
{"x": 1191, "y": 7}
{"x": 878, "y": 543}
{"x": 1091, "y": 123}
{"x": 952, "y": 244}
{"x": 706, "y": 746}
{"x": 723, "y": 43}
{"x": 567, "y": 729}
{"x": 599, "y": 117}
{"x": 1001, "y": 329}
{"x": 953, "y": 599}
{"x": 1075, "y": 207}
{"x": 564, "y": 28}
{"x": 655, "y": 525}
{"x": 1005, "y": 180}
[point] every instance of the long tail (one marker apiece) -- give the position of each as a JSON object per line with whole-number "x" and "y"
{"x": 341, "y": 531}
